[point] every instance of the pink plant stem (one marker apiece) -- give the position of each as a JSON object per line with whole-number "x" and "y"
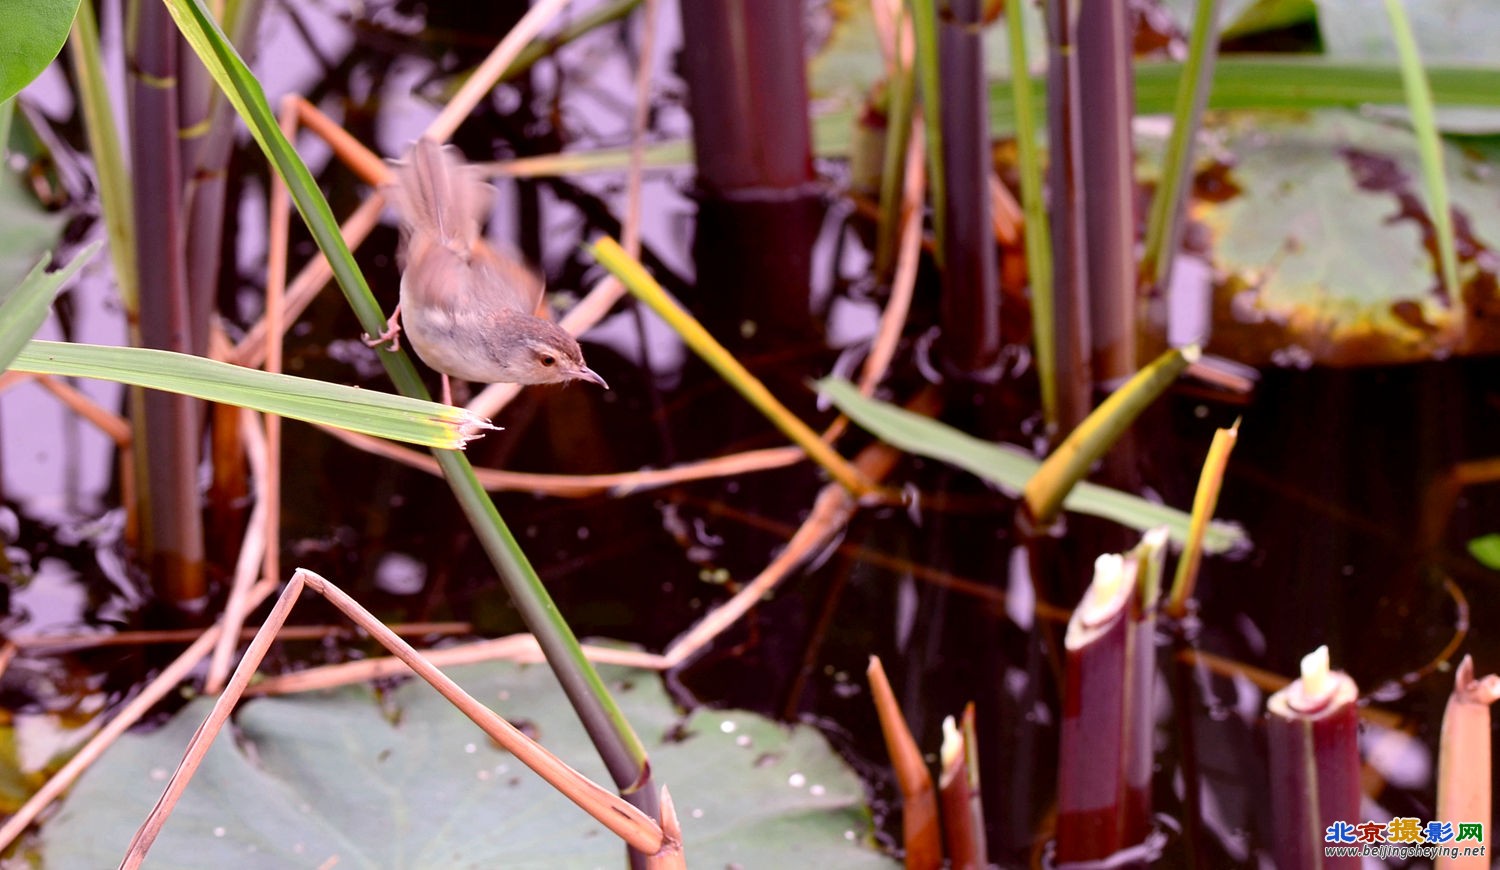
{"x": 1314, "y": 767}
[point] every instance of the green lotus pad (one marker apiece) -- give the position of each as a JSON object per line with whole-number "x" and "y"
{"x": 406, "y": 781}
{"x": 1320, "y": 230}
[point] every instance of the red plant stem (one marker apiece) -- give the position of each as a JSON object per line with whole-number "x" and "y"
{"x": 167, "y": 437}
{"x": 759, "y": 210}
{"x": 1106, "y": 91}
{"x": 1090, "y": 785}
{"x": 971, "y": 275}
{"x": 1075, "y": 383}
{"x": 1104, "y": 766}
{"x": 1314, "y": 771}
{"x": 1139, "y": 759}
{"x": 958, "y": 792}
{"x": 747, "y": 88}
{"x": 1187, "y": 701}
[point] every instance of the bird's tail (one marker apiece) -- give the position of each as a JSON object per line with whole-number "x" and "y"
{"x": 440, "y": 195}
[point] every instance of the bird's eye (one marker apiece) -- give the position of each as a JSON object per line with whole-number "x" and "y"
{"x": 548, "y": 359}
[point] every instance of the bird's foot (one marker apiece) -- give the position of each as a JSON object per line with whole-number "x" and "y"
{"x": 391, "y": 338}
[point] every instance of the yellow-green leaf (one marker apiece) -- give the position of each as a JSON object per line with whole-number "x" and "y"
{"x": 383, "y": 415}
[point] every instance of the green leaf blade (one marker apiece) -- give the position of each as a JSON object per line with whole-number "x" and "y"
{"x": 1424, "y": 122}
{"x": 33, "y": 34}
{"x": 1009, "y": 467}
{"x": 383, "y": 415}
{"x": 116, "y": 193}
{"x": 1486, "y": 550}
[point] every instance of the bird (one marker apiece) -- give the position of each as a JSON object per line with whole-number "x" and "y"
{"x": 467, "y": 308}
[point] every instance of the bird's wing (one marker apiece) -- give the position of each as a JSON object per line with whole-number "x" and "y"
{"x": 506, "y": 282}
{"x": 437, "y": 277}
{"x": 440, "y": 196}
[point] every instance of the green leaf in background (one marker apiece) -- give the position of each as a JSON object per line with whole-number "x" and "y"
{"x": 33, "y": 34}
{"x": 1446, "y": 31}
{"x": 383, "y": 415}
{"x": 1245, "y": 17}
{"x": 407, "y": 781}
{"x": 16, "y": 782}
{"x": 848, "y": 62}
{"x": 1486, "y": 550}
{"x": 1450, "y": 32}
{"x": 116, "y": 193}
{"x": 24, "y": 308}
{"x": 1326, "y": 262}
{"x": 26, "y": 231}
{"x": 1009, "y": 467}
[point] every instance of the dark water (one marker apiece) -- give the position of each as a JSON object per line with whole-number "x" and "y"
{"x": 1329, "y": 478}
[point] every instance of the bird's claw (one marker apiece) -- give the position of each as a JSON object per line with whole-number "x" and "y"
{"x": 391, "y": 337}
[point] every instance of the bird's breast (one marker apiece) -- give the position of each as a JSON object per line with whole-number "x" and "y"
{"x": 451, "y": 339}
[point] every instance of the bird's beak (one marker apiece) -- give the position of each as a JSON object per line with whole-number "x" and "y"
{"x": 588, "y": 374}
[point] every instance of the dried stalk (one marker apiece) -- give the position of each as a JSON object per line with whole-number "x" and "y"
{"x": 638, "y": 830}
{"x": 515, "y": 648}
{"x": 203, "y": 738}
{"x": 581, "y": 485}
{"x": 247, "y": 568}
{"x": 670, "y": 856}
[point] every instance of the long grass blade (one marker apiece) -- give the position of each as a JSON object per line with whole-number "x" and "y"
{"x": 1273, "y": 82}
{"x": 384, "y": 415}
{"x": 1239, "y": 82}
{"x": 1047, "y": 489}
{"x": 1034, "y": 204}
{"x": 639, "y": 282}
{"x": 1164, "y": 228}
{"x": 115, "y": 193}
{"x": 1210, "y": 481}
{"x": 1429, "y": 149}
{"x": 924, "y": 32}
{"x": 1008, "y": 467}
{"x": 899, "y": 107}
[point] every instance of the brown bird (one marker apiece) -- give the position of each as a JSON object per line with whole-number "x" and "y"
{"x": 466, "y": 307}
